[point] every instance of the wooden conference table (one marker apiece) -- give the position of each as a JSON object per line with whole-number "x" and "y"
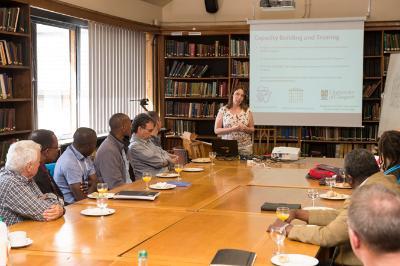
{"x": 183, "y": 226}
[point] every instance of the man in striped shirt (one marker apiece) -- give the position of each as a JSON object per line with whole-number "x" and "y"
{"x": 20, "y": 197}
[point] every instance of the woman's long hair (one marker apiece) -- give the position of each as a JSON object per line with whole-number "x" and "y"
{"x": 243, "y": 104}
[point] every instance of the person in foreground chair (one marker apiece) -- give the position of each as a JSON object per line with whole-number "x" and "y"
{"x": 374, "y": 223}
{"x": 20, "y": 197}
{"x": 144, "y": 155}
{"x": 331, "y": 225}
{"x": 75, "y": 169}
{"x": 111, "y": 161}
{"x": 389, "y": 152}
{"x": 48, "y": 140}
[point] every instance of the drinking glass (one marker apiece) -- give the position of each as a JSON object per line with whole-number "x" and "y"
{"x": 330, "y": 181}
{"x": 101, "y": 202}
{"x": 312, "y": 194}
{"x": 102, "y": 188}
{"x": 146, "y": 178}
{"x": 278, "y": 235}
{"x": 212, "y": 155}
{"x": 178, "y": 169}
{"x": 282, "y": 213}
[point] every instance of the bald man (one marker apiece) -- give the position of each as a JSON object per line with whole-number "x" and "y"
{"x": 111, "y": 162}
{"x": 74, "y": 168}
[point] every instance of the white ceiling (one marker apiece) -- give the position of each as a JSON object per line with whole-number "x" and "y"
{"x": 158, "y": 2}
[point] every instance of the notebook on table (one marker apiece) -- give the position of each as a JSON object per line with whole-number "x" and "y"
{"x": 232, "y": 257}
{"x": 226, "y": 148}
{"x": 141, "y": 195}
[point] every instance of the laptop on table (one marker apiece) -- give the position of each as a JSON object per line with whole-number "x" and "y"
{"x": 226, "y": 149}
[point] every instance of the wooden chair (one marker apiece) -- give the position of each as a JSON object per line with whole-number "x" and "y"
{"x": 261, "y": 134}
{"x": 195, "y": 148}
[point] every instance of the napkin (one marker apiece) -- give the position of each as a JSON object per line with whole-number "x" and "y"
{"x": 179, "y": 183}
{"x": 270, "y": 206}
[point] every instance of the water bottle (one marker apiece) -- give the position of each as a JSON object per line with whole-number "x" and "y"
{"x": 142, "y": 258}
{"x": 4, "y": 245}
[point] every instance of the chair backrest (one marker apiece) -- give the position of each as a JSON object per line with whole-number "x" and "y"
{"x": 196, "y": 148}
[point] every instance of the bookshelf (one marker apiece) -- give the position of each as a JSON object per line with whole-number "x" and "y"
{"x": 197, "y": 71}
{"x": 231, "y": 68}
{"x": 15, "y": 74}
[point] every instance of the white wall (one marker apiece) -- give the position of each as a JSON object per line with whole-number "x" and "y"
{"x": 135, "y": 10}
{"x": 193, "y": 11}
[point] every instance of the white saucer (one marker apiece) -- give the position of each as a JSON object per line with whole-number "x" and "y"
{"x": 167, "y": 175}
{"x": 337, "y": 197}
{"x": 94, "y": 195}
{"x": 317, "y": 208}
{"x": 28, "y": 241}
{"x": 201, "y": 160}
{"x": 294, "y": 260}
{"x": 193, "y": 169}
{"x": 341, "y": 185}
{"x": 97, "y": 212}
{"x": 162, "y": 186}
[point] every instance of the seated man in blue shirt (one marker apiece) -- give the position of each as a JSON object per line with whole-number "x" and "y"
{"x": 74, "y": 168}
{"x": 143, "y": 154}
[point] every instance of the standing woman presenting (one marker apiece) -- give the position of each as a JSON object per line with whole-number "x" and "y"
{"x": 235, "y": 121}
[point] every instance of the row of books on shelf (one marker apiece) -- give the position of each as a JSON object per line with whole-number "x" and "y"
{"x": 188, "y": 49}
{"x": 4, "y": 146}
{"x": 190, "y": 89}
{"x": 240, "y": 68}
{"x": 7, "y": 119}
{"x": 192, "y": 109}
{"x": 366, "y": 133}
{"x": 183, "y": 70}
{"x": 240, "y": 48}
{"x": 370, "y": 88}
{"x": 372, "y": 111}
{"x": 6, "y": 86}
{"x": 334, "y": 150}
{"x": 372, "y": 44}
{"x": 372, "y": 68}
{"x": 391, "y": 41}
{"x": 12, "y": 19}
{"x": 239, "y": 83}
{"x": 10, "y": 53}
{"x": 177, "y": 127}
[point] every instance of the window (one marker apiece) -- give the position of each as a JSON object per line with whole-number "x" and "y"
{"x": 62, "y": 76}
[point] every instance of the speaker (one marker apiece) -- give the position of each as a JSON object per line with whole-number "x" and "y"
{"x": 211, "y": 6}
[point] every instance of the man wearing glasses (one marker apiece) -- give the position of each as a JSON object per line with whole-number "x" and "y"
{"x": 143, "y": 154}
{"x": 48, "y": 154}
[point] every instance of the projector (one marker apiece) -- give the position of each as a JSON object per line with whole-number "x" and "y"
{"x": 277, "y": 4}
{"x": 285, "y": 153}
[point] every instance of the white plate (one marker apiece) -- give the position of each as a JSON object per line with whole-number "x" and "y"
{"x": 202, "y": 160}
{"x": 337, "y": 197}
{"x": 193, "y": 169}
{"x": 162, "y": 186}
{"x": 28, "y": 241}
{"x": 167, "y": 175}
{"x": 294, "y": 260}
{"x": 340, "y": 185}
{"x": 94, "y": 195}
{"x": 97, "y": 212}
{"x": 317, "y": 208}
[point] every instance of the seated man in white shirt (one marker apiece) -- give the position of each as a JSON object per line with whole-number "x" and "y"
{"x": 143, "y": 154}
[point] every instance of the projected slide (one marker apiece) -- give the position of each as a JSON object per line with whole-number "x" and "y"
{"x": 306, "y": 73}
